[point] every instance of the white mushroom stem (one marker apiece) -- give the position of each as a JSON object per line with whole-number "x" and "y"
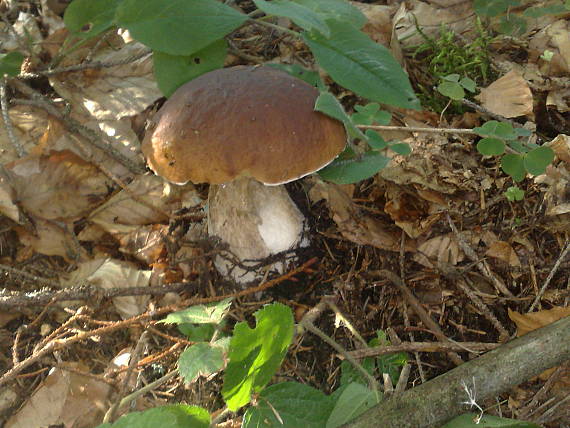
{"x": 255, "y": 221}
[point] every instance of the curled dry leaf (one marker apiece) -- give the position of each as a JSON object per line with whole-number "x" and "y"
{"x": 554, "y": 38}
{"x": 503, "y": 251}
{"x": 109, "y": 273}
{"x": 66, "y": 399}
{"x": 59, "y": 186}
{"x": 114, "y": 92}
{"x": 430, "y": 16}
{"x": 528, "y": 322}
{"x": 509, "y": 96}
{"x": 146, "y": 243}
{"x": 355, "y": 225}
{"x": 52, "y": 239}
{"x": 28, "y": 124}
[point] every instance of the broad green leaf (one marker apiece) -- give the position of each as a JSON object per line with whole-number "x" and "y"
{"x": 471, "y": 420}
{"x": 403, "y": 149}
{"x": 174, "y": 416}
{"x": 539, "y": 12}
{"x": 468, "y": 84}
{"x": 346, "y": 171}
{"x": 496, "y": 129}
{"x": 172, "y": 71}
{"x": 491, "y": 146}
{"x": 357, "y": 63}
{"x": 178, "y": 27}
{"x": 201, "y": 359}
{"x": 309, "y": 76}
{"x": 451, "y": 78}
{"x": 11, "y": 63}
{"x": 256, "y": 354}
{"x": 304, "y": 17}
{"x": 336, "y": 10}
{"x": 493, "y": 8}
{"x": 514, "y": 193}
{"x": 354, "y": 400}
{"x": 536, "y": 161}
{"x": 375, "y": 140}
{"x": 512, "y": 24}
{"x": 197, "y": 332}
{"x": 349, "y": 374}
{"x": 452, "y": 90}
{"x": 370, "y": 114}
{"x": 513, "y": 165}
{"x": 522, "y": 132}
{"x": 296, "y": 404}
{"x": 328, "y": 104}
{"x": 87, "y": 18}
{"x": 211, "y": 313}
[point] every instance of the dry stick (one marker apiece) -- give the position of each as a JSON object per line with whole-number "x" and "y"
{"x": 437, "y": 401}
{"x": 550, "y": 276}
{"x": 135, "y": 356}
{"x": 503, "y": 333}
{"x": 95, "y": 138}
{"x": 7, "y": 121}
{"x": 483, "y": 266}
{"x": 420, "y": 311}
{"x": 473, "y": 347}
{"x": 418, "y": 129}
{"x": 402, "y": 260}
{"x": 84, "y": 66}
{"x": 57, "y": 344}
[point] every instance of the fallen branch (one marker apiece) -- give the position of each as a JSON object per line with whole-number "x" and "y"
{"x": 473, "y": 347}
{"x": 439, "y": 400}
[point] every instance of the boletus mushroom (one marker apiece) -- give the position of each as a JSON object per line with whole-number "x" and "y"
{"x": 245, "y": 130}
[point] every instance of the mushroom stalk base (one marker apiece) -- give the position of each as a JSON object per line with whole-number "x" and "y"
{"x": 254, "y": 221}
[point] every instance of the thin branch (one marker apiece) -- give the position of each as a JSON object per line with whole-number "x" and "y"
{"x": 473, "y": 347}
{"x": 418, "y": 129}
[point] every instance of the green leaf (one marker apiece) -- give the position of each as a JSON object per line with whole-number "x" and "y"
{"x": 11, "y": 63}
{"x": 357, "y": 63}
{"x": 178, "y": 27}
{"x": 513, "y": 165}
{"x": 211, "y": 313}
{"x": 512, "y": 24}
{"x": 346, "y": 171}
{"x": 468, "y": 84}
{"x": 451, "y": 78}
{"x": 255, "y": 354}
{"x": 491, "y": 146}
{"x": 309, "y": 76}
{"x": 536, "y": 161}
{"x": 452, "y": 90}
{"x": 370, "y": 114}
{"x": 197, "y": 332}
{"x": 174, "y": 416}
{"x": 328, "y": 104}
{"x": 522, "y": 132}
{"x": 354, "y": 400}
{"x": 336, "y": 10}
{"x": 514, "y": 193}
{"x": 471, "y": 420}
{"x": 403, "y": 149}
{"x": 375, "y": 140}
{"x": 304, "y": 17}
{"x": 172, "y": 71}
{"x": 539, "y": 12}
{"x": 201, "y": 359}
{"x": 296, "y": 405}
{"x": 87, "y": 18}
{"x": 496, "y": 129}
{"x": 493, "y": 8}
{"x": 349, "y": 374}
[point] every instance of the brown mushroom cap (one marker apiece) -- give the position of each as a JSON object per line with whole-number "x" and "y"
{"x": 242, "y": 121}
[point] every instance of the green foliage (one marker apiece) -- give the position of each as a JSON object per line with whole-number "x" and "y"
{"x": 527, "y": 157}
{"x": 211, "y": 313}
{"x": 371, "y": 114}
{"x": 354, "y": 400}
{"x": 174, "y": 416}
{"x": 454, "y": 86}
{"x": 202, "y": 359}
{"x": 88, "y": 18}
{"x": 11, "y": 63}
{"x": 255, "y": 354}
{"x": 514, "y": 193}
{"x": 309, "y": 76}
{"x": 472, "y": 420}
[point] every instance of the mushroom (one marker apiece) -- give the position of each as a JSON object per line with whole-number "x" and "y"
{"x": 245, "y": 131}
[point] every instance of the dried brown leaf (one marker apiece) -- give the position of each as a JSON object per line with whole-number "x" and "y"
{"x": 528, "y": 322}
{"x": 509, "y": 96}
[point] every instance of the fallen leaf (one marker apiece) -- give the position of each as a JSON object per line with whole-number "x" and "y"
{"x": 503, "y": 251}
{"x": 531, "y": 321}
{"x": 509, "y": 96}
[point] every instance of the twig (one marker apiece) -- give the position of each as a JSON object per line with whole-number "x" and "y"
{"x": 473, "y": 347}
{"x": 418, "y": 129}
{"x": 84, "y": 66}
{"x": 482, "y": 265}
{"x": 125, "y": 401}
{"x": 135, "y": 357}
{"x": 554, "y": 269}
{"x": 346, "y": 322}
{"x": 7, "y": 121}
{"x": 420, "y": 311}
